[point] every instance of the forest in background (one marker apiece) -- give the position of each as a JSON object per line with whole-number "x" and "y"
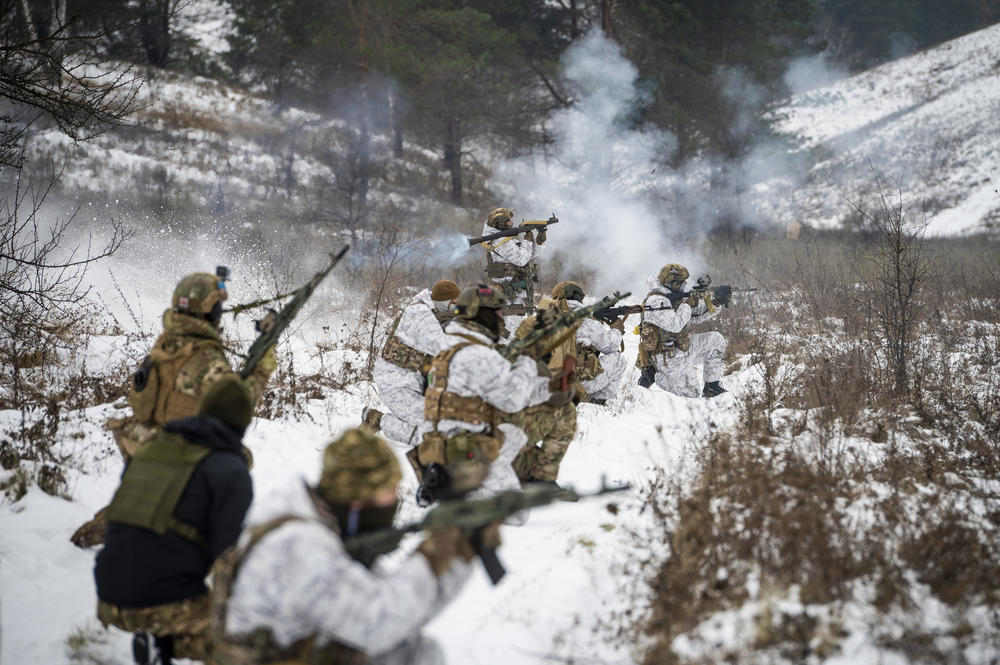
{"x": 449, "y": 74}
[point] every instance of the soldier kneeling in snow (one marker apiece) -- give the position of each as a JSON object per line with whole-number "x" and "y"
{"x": 291, "y": 592}
{"x": 181, "y": 502}
{"x": 668, "y": 353}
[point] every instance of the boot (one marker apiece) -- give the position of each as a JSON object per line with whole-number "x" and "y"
{"x": 140, "y": 648}
{"x": 91, "y": 533}
{"x": 713, "y": 389}
{"x": 648, "y": 376}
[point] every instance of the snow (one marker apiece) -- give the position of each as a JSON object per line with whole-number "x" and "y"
{"x": 926, "y": 122}
{"x": 562, "y": 565}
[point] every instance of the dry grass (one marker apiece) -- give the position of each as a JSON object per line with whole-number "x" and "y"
{"x": 832, "y": 491}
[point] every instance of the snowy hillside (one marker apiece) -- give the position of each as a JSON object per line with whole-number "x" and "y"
{"x": 929, "y": 121}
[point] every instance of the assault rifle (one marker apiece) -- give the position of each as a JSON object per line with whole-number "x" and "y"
{"x": 276, "y": 322}
{"x": 471, "y": 516}
{"x": 564, "y": 321}
{"x": 609, "y": 314}
{"x": 524, "y": 228}
{"x": 721, "y": 295}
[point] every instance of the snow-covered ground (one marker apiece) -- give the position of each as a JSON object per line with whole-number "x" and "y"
{"x": 927, "y": 121}
{"x": 566, "y": 566}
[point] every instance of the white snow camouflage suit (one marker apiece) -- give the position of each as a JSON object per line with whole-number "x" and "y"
{"x": 679, "y": 374}
{"x": 608, "y": 343}
{"x": 299, "y": 581}
{"x": 518, "y": 252}
{"x": 480, "y": 371}
{"x": 402, "y": 389}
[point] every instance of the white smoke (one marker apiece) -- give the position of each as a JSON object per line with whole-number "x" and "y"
{"x": 602, "y": 177}
{"x": 810, "y": 72}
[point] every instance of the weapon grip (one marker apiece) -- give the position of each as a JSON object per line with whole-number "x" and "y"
{"x": 488, "y": 555}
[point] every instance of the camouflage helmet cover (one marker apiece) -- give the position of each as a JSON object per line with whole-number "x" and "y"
{"x": 498, "y": 217}
{"x": 473, "y": 298}
{"x": 198, "y": 292}
{"x": 569, "y": 290}
{"x": 672, "y": 275}
{"x": 356, "y": 467}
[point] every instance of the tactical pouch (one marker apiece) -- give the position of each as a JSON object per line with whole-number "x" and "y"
{"x": 431, "y": 449}
{"x": 473, "y": 446}
{"x": 401, "y": 355}
{"x": 589, "y": 365}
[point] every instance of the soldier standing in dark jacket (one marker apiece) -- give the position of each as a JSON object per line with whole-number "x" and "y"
{"x": 181, "y": 502}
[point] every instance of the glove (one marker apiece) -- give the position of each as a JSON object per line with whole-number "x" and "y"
{"x": 541, "y": 237}
{"x": 619, "y": 325}
{"x": 561, "y": 397}
{"x": 444, "y": 545}
{"x": 268, "y": 364}
{"x": 489, "y": 536}
{"x": 529, "y": 236}
{"x": 264, "y": 325}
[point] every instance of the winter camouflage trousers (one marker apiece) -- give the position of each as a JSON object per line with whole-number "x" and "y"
{"x": 186, "y": 621}
{"x": 679, "y": 375}
{"x": 554, "y": 427}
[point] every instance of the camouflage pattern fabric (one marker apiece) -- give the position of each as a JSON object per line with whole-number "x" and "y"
{"x": 555, "y": 427}
{"x": 186, "y": 621}
{"x": 198, "y": 293}
{"x": 398, "y": 353}
{"x": 441, "y": 404}
{"x": 260, "y": 646}
{"x": 187, "y": 358}
{"x": 356, "y": 467}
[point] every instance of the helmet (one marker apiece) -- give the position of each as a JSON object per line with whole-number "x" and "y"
{"x": 473, "y": 298}
{"x": 499, "y": 218}
{"x": 198, "y": 293}
{"x": 673, "y": 276}
{"x": 356, "y": 467}
{"x": 445, "y": 289}
{"x": 568, "y": 290}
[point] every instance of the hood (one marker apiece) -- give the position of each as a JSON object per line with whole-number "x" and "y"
{"x": 175, "y": 323}
{"x": 423, "y": 298}
{"x": 467, "y": 327}
{"x": 207, "y": 431}
{"x": 653, "y": 284}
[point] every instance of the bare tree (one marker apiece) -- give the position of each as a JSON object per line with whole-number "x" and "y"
{"x": 47, "y": 75}
{"x": 900, "y": 268}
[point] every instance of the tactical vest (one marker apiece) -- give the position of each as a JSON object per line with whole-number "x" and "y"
{"x": 402, "y": 355}
{"x": 588, "y": 364}
{"x": 153, "y": 484}
{"x": 259, "y": 647}
{"x": 655, "y": 341}
{"x": 153, "y": 396}
{"x": 440, "y": 404}
{"x": 522, "y": 278}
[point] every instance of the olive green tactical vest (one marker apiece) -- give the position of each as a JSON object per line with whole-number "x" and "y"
{"x": 153, "y": 484}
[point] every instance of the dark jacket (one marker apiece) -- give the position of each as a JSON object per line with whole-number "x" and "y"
{"x": 139, "y": 568}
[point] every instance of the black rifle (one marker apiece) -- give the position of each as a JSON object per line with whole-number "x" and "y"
{"x": 276, "y": 322}
{"x": 721, "y": 295}
{"x": 524, "y": 228}
{"x": 610, "y": 314}
{"x": 471, "y": 516}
